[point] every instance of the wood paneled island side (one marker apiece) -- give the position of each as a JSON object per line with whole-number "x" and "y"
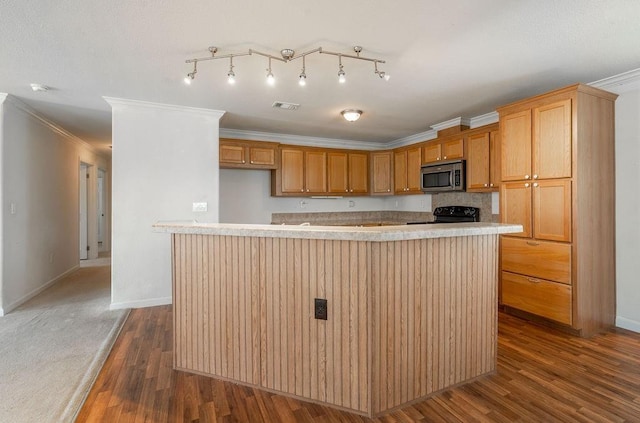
{"x": 412, "y": 309}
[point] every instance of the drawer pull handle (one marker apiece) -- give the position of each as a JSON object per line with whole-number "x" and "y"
{"x": 534, "y": 280}
{"x": 535, "y": 244}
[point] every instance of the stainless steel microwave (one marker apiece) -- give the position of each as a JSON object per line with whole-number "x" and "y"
{"x": 443, "y": 176}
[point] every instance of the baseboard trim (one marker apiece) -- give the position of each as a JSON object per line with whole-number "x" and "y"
{"x": 624, "y": 323}
{"x": 36, "y": 291}
{"x": 152, "y": 302}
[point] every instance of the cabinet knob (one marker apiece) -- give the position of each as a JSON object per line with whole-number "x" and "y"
{"x": 486, "y": 185}
{"x": 491, "y": 185}
{"x": 251, "y": 161}
{"x": 350, "y": 190}
{"x": 438, "y": 158}
{"x": 307, "y": 189}
{"x": 243, "y": 161}
{"x": 535, "y": 176}
{"x": 534, "y": 280}
{"x": 346, "y": 190}
{"x": 535, "y": 184}
{"x": 445, "y": 157}
{"x": 526, "y": 185}
{"x": 389, "y": 190}
{"x": 526, "y": 176}
{"x": 302, "y": 190}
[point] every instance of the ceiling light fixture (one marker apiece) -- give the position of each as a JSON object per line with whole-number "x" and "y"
{"x": 287, "y": 55}
{"x": 351, "y": 115}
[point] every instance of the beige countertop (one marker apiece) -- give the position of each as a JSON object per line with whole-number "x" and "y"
{"x": 349, "y": 233}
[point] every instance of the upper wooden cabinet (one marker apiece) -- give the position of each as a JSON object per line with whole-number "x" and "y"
{"x": 242, "y": 154}
{"x": 443, "y": 149}
{"x": 348, "y": 172}
{"x": 306, "y": 171}
{"x": 558, "y": 183}
{"x": 302, "y": 171}
{"x": 407, "y": 163}
{"x": 537, "y": 142}
{"x": 381, "y": 173}
{"x": 483, "y": 161}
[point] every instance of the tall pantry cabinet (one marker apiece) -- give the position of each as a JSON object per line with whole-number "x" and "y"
{"x": 557, "y": 155}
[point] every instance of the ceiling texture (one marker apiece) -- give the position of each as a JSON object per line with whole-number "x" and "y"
{"x": 446, "y": 58}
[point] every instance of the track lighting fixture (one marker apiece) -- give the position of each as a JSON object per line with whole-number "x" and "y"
{"x": 381, "y": 74}
{"x": 302, "y": 80}
{"x": 287, "y": 55}
{"x": 341, "y": 75}
{"x": 191, "y": 75}
{"x": 231, "y": 76}
{"x": 271, "y": 80}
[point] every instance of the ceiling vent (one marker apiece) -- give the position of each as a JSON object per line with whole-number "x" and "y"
{"x": 285, "y": 105}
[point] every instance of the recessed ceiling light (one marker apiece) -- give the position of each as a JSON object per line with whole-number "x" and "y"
{"x": 39, "y": 87}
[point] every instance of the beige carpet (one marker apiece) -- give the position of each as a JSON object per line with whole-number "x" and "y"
{"x": 52, "y": 347}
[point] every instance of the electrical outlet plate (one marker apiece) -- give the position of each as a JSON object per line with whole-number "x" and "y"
{"x": 320, "y": 305}
{"x": 199, "y": 207}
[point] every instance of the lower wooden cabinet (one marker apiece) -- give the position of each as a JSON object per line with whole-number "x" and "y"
{"x": 535, "y": 258}
{"x": 538, "y": 296}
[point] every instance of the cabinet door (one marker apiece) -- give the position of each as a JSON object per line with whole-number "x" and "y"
{"x": 552, "y": 210}
{"x": 292, "y": 170}
{"x": 414, "y": 163}
{"x": 232, "y": 154}
{"x": 315, "y": 172}
{"x": 432, "y": 152}
{"x": 515, "y": 206}
{"x": 262, "y": 156}
{"x": 515, "y": 130}
{"x": 337, "y": 175}
{"x": 453, "y": 149}
{"x": 382, "y": 181}
{"x": 400, "y": 171}
{"x": 358, "y": 173}
{"x": 478, "y": 166}
{"x": 552, "y": 140}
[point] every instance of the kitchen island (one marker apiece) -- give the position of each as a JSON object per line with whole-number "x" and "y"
{"x": 411, "y": 310}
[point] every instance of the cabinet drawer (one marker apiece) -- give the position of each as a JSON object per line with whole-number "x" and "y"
{"x": 539, "y": 259}
{"x": 543, "y": 298}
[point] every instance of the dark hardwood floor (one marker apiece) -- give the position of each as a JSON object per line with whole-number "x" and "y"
{"x": 543, "y": 376}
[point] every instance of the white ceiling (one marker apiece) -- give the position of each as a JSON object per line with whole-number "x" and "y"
{"x": 447, "y": 58}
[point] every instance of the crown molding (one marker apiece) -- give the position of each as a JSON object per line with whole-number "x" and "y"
{"x": 412, "y": 139}
{"x": 3, "y": 97}
{"x": 20, "y": 105}
{"x": 620, "y": 83}
{"x": 486, "y": 119}
{"x": 300, "y": 140}
{"x": 119, "y": 103}
{"x": 451, "y": 122}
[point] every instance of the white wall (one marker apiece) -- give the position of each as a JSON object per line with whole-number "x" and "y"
{"x": 628, "y": 206}
{"x": 245, "y": 197}
{"x": 40, "y": 165}
{"x": 164, "y": 159}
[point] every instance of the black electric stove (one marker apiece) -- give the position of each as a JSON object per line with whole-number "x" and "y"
{"x": 456, "y": 214}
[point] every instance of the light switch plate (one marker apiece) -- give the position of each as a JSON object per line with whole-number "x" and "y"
{"x": 199, "y": 207}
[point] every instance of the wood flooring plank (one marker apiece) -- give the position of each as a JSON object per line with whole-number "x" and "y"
{"x": 542, "y": 375}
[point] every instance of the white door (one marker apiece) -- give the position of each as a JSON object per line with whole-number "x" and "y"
{"x": 101, "y": 211}
{"x": 84, "y": 221}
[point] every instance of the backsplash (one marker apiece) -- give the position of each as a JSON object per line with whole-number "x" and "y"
{"x": 351, "y": 218}
{"x": 480, "y": 200}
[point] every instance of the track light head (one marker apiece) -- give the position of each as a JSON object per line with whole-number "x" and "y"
{"x": 271, "y": 80}
{"x": 190, "y": 77}
{"x": 302, "y": 80}
{"x": 341, "y": 76}
{"x": 231, "y": 77}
